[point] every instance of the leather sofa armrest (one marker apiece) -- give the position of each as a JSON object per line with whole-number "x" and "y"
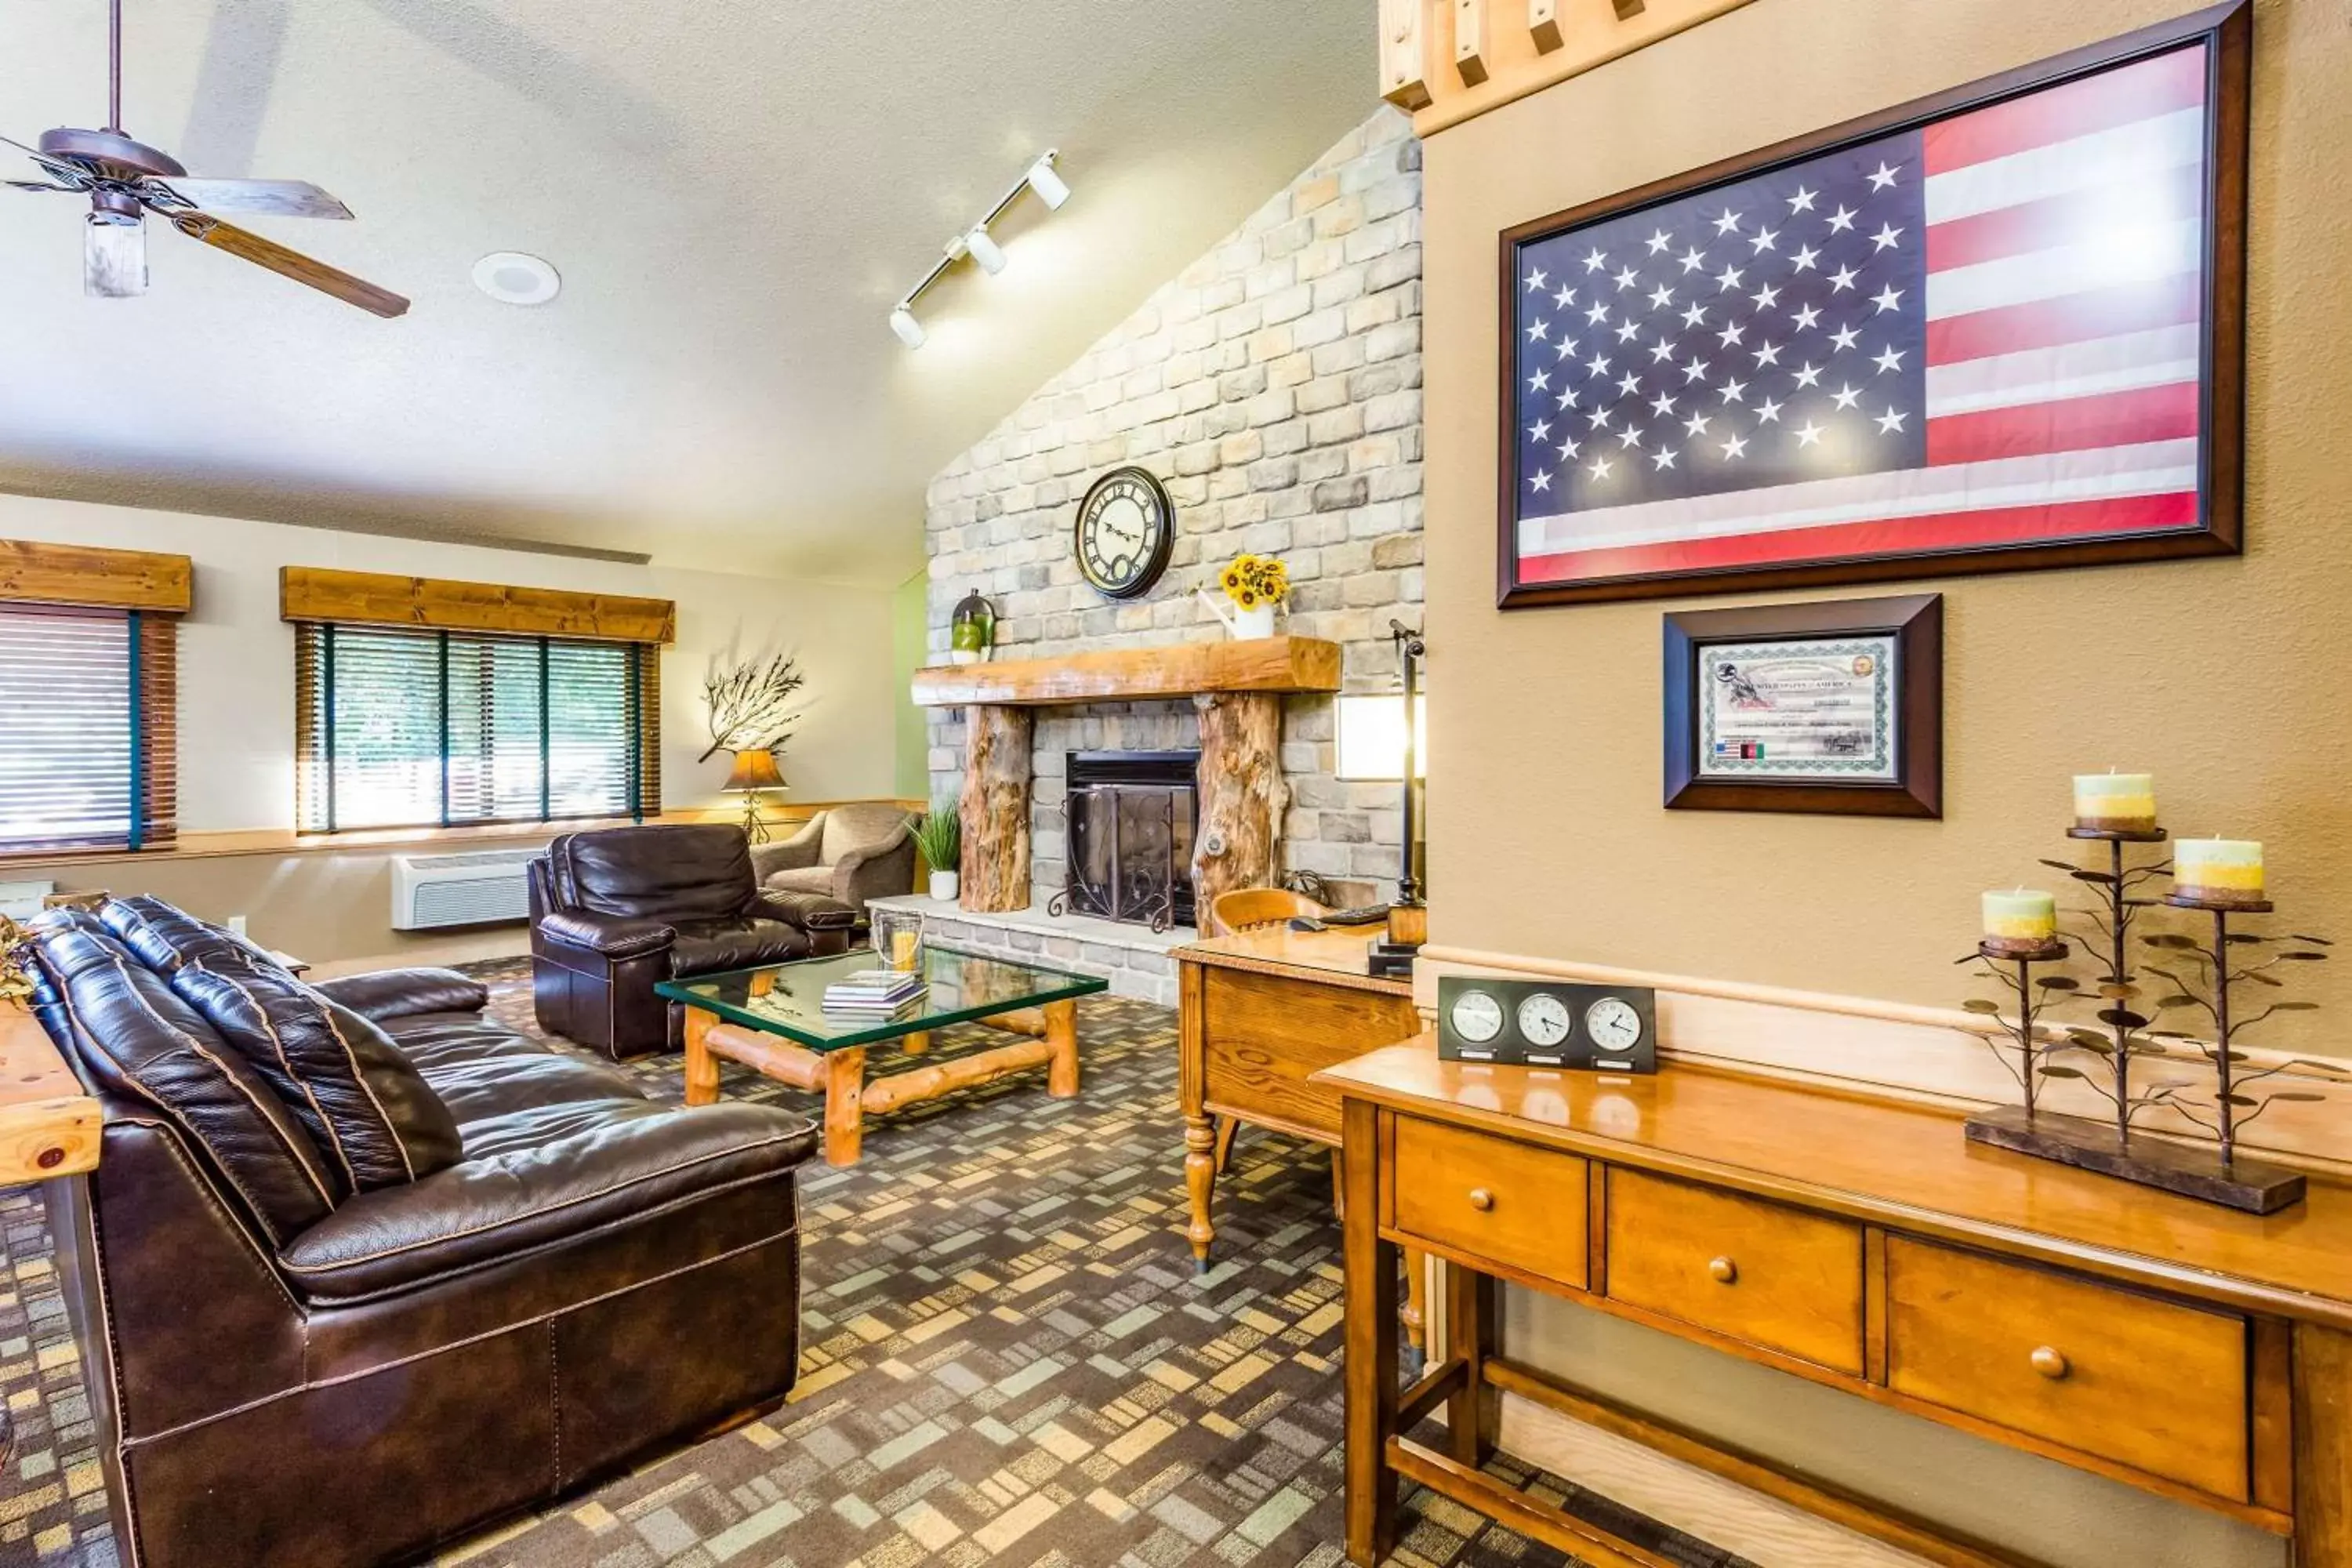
{"x": 789, "y": 854}
{"x": 809, "y": 911}
{"x": 608, "y": 936}
{"x": 403, "y": 992}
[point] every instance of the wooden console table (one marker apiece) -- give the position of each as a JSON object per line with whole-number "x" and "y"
{"x": 1259, "y": 1014}
{"x": 2195, "y": 1353}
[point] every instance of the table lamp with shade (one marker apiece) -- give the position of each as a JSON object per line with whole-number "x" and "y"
{"x": 1379, "y": 738}
{"x": 755, "y": 770}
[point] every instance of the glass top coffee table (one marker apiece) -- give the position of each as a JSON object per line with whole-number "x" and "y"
{"x": 772, "y": 1020}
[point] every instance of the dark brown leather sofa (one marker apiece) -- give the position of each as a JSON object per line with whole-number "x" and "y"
{"x": 448, "y": 1275}
{"x": 617, "y": 910}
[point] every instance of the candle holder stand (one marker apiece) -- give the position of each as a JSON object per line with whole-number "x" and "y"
{"x": 2124, "y": 1039}
{"x": 2034, "y": 1049}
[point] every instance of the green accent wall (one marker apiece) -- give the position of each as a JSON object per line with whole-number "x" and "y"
{"x": 910, "y": 620}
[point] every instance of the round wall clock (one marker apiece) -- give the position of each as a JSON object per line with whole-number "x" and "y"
{"x": 1126, "y": 528}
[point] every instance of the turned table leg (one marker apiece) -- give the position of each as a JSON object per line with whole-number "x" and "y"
{"x": 1191, "y": 1098}
{"x": 1416, "y": 1300}
{"x": 1199, "y": 1185}
{"x": 1371, "y": 1366}
{"x": 1062, "y": 1048}
{"x": 844, "y": 1109}
{"x": 701, "y": 1067}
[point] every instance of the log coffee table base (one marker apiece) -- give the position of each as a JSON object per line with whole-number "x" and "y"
{"x": 850, "y": 1096}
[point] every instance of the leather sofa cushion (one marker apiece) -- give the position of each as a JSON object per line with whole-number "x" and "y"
{"x": 803, "y": 880}
{"x": 621, "y": 1163}
{"x": 347, "y": 1082}
{"x": 164, "y": 936}
{"x": 387, "y": 994}
{"x": 708, "y": 947}
{"x": 133, "y": 1037}
{"x": 683, "y": 871}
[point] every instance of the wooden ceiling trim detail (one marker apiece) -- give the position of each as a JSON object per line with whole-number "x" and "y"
{"x": 86, "y": 576}
{"x": 1502, "y": 50}
{"x": 1283, "y": 664}
{"x": 376, "y": 598}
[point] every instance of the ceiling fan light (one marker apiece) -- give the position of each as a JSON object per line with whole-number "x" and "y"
{"x": 981, "y": 246}
{"x": 909, "y": 331}
{"x": 1051, "y": 188}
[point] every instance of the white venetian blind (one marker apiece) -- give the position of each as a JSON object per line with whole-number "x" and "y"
{"x": 409, "y": 729}
{"x": 71, "y": 748}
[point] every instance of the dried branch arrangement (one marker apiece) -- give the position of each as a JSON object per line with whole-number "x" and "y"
{"x": 751, "y": 703}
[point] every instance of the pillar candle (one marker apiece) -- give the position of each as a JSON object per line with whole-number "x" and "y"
{"x": 2219, "y": 870}
{"x": 902, "y": 948}
{"x": 2020, "y": 920}
{"x": 2116, "y": 803}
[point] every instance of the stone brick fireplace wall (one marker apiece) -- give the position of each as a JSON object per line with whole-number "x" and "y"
{"x": 1274, "y": 387}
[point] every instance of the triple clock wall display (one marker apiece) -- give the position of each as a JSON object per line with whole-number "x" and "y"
{"x": 1548, "y": 1023}
{"x": 1126, "y": 528}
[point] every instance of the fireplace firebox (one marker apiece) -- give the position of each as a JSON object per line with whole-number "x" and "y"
{"x": 1128, "y": 819}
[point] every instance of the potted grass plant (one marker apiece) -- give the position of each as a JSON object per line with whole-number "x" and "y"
{"x": 939, "y": 836}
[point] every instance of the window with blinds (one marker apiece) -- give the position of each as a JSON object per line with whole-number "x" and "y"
{"x": 402, "y": 727}
{"x": 87, "y": 726}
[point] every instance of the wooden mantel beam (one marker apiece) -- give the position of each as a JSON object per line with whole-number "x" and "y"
{"x": 1278, "y": 664}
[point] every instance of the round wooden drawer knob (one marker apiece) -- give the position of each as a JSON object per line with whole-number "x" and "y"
{"x": 1481, "y": 1199}
{"x": 1722, "y": 1271}
{"x": 2050, "y": 1362}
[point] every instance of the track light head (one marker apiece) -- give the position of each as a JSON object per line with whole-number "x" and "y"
{"x": 981, "y": 246}
{"x": 910, "y": 331}
{"x": 1051, "y": 188}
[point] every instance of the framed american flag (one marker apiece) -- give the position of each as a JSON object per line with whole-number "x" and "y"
{"x": 1996, "y": 329}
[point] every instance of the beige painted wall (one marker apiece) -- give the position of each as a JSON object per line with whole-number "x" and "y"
{"x": 237, "y": 708}
{"x": 2220, "y": 676}
{"x": 2223, "y": 677}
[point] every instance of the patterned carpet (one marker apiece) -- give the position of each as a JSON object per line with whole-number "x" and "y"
{"x": 1008, "y": 1361}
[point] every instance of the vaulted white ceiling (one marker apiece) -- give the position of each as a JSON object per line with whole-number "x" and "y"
{"x": 734, "y": 192}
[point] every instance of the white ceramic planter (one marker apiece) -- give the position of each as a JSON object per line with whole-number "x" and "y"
{"x": 943, "y": 885}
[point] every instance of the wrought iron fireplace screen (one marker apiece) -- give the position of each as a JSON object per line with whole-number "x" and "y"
{"x": 1129, "y": 819}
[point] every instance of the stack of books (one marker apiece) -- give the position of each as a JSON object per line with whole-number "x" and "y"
{"x": 880, "y": 994}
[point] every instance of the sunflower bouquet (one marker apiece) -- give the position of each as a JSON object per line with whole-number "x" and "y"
{"x": 1255, "y": 580}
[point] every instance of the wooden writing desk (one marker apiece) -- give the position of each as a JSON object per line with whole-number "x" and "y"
{"x": 2196, "y": 1353}
{"x": 1261, "y": 1014}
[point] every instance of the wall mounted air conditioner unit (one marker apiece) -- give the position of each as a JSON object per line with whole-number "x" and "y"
{"x": 429, "y": 891}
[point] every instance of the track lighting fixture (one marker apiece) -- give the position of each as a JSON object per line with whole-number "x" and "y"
{"x": 978, "y": 245}
{"x": 1051, "y": 188}
{"x": 981, "y": 247}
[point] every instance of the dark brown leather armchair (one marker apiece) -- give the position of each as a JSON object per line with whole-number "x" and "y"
{"x": 291, "y": 1361}
{"x": 617, "y": 910}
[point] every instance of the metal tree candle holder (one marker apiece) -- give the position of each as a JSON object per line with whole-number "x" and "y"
{"x": 2034, "y": 1050}
{"x": 2118, "y": 988}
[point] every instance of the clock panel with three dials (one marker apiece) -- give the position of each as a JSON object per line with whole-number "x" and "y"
{"x": 1548, "y": 1023}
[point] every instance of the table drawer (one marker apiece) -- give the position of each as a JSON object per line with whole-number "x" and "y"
{"x": 1513, "y": 1204}
{"x": 1269, "y": 1034}
{"x": 1755, "y": 1271}
{"x": 2151, "y": 1383}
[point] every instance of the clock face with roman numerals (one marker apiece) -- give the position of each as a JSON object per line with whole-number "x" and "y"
{"x": 1125, "y": 531}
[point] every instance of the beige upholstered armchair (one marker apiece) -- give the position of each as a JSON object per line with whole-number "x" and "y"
{"x": 854, "y": 853}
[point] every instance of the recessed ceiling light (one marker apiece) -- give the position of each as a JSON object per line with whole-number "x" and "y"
{"x": 514, "y": 279}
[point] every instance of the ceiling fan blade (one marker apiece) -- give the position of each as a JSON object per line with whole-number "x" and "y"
{"x": 113, "y": 259}
{"x": 253, "y": 247}
{"x": 38, "y": 185}
{"x": 277, "y": 198}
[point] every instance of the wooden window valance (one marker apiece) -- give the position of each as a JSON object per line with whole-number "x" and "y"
{"x": 87, "y": 577}
{"x": 376, "y": 598}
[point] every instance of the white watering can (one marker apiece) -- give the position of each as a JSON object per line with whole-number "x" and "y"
{"x": 1257, "y": 621}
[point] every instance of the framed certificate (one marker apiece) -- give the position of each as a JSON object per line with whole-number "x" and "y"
{"x": 1835, "y": 706}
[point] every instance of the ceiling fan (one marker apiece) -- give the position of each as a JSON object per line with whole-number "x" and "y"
{"x": 126, "y": 180}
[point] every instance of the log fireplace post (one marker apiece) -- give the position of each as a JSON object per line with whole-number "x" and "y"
{"x": 994, "y": 808}
{"x": 1242, "y": 794}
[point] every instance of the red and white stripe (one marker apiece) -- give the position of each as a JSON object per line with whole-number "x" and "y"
{"x": 2064, "y": 340}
